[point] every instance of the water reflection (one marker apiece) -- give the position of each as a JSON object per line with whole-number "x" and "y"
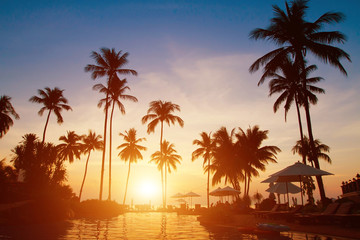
{"x": 165, "y": 226}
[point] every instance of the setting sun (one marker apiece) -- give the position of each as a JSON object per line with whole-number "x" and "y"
{"x": 148, "y": 189}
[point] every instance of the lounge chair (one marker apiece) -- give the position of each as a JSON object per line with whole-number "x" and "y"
{"x": 343, "y": 215}
{"x": 286, "y": 215}
{"x": 264, "y": 214}
{"x": 312, "y": 217}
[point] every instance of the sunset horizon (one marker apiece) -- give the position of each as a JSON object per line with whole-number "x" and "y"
{"x": 162, "y": 76}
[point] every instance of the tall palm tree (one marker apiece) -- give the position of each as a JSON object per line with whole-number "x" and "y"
{"x": 90, "y": 142}
{"x": 205, "y": 150}
{"x": 130, "y": 151}
{"x": 255, "y": 155}
{"x": 6, "y": 109}
{"x": 303, "y": 149}
{"x": 70, "y": 147}
{"x": 160, "y": 112}
{"x": 109, "y": 63}
{"x": 166, "y": 159}
{"x": 290, "y": 88}
{"x": 115, "y": 92}
{"x": 296, "y": 36}
{"x": 54, "y": 101}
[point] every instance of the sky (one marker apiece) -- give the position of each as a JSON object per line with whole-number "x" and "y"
{"x": 193, "y": 53}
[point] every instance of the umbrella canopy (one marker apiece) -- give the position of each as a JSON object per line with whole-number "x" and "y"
{"x": 299, "y": 169}
{"x": 286, "y": 179}
{"x": 296, "y": 173}
{"x": 178, "y": 195}
{"x": 281, "y": 188}
{"x": 228, "y": 191}
{"x": 191, "y": 194}
{"x": 216, "y": 192}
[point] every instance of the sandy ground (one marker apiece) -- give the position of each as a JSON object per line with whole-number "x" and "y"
{"x": 332, "y": 230}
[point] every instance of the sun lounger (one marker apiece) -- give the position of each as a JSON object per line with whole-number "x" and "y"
{"x": 311, "y": 218}
{"x": 342, "y": 210}
{"x": 263, "y": 214}
{"x": 286, "y": 215}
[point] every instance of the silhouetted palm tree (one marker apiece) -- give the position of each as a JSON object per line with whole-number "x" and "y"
{"x": 253, "y": 154}
{"x": 166, "y": 159}
{"x": 40, "y": 162}
{"x": 205, "y": 150}
{"x": 291, "y": 89}
{"x": 160, "y": 112}
{"x": 296, "y": 36}
{"x": 226, "y": 163}
{"x": 54, "y": 101}
{"x": 115, "y": 92}
{"x": 109, "y": 64}
{"x": 90, "y": 142}
{"x": 6, "y": 109}
{"x": 130, "y": 151}
{"x": 71, "y": 147}
{"x": 303, "y": 149}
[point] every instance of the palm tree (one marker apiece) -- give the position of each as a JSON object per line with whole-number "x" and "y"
{"x": 254, "y": 155}
{"x": 115, "y": 91}
{"x": 71, "y": 147}
{"x": 303, "y": 149}
{"x": 160, "y": 112}
{"x": 166, "y": 159}
{"x": 226, "y": 160}
{"x": 90, "y": 142}
{"x": 291, "y": 89}
{"x": 296, "y": 37}
{"x": 205, "y": 150}
{"x": 54, "y": 101}
{"x": 109, "y": 64}
{"x": 40, "y": 162}
{"x": 130, "y": 151}
{"x": 6, "y": 109}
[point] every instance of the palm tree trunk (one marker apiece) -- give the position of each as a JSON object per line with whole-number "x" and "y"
{"x": 110, "y": 144}
{"x": 103, "y": 155}
{"x": 208, "y": 186}
{"x": 83, "y": 181}
{"x": 245, "y": 183}
{"x": 127, "y": 181}
{"x": 300, "y": 128}
{"x": 165, "y": 181}
{"x": 162, "y": 168}
{"x": 47, "y": 121}
{"x": 313, "y": 156}
{"x": 248, "y": 187}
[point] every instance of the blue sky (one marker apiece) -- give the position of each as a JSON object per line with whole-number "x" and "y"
{"x": 193, "y": 53}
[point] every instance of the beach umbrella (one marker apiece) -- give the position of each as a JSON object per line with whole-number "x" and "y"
{"x": 216, "y": 192}
{"x": 180, "y": 201}
{"x": 178, "y": 195}
{"x": 273, "y": 179}
{"x": 191, "y": 195}
{"x": 295, "y": 173}
{"x": 229, "y": 191}
{"x": 281, "y": 188}
{"x": 299, "y": 169}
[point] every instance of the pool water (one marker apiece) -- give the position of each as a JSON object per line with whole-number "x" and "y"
{"x": 132, "y": 225}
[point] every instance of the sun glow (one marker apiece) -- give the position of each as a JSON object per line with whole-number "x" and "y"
{"x": 147, "y": 189}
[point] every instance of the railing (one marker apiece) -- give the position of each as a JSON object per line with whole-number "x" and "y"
{"x": 351, "y": 185}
